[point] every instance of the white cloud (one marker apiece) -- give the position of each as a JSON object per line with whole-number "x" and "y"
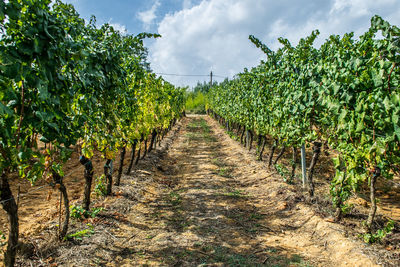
{"x": 148, "y": 16}
{"x": 119, "y": 27}
{"x": 213, "y": 35}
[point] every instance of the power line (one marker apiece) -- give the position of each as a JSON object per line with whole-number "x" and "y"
{"x": 173, "y": 74}
{"x": 190, "y": 75}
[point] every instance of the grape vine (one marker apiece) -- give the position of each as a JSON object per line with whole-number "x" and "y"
{"x": 71, "y": 83}
{"x": 344, "y": 95}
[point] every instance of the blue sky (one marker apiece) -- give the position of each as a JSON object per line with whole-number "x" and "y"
{"x": 127, "y": 13}
{"x": 199, "y": 36}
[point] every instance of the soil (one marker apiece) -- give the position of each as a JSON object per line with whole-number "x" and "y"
{"x": 39, "y": 202}
{"x": 200, "y": 199}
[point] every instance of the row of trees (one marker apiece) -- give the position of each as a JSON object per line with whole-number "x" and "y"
{"x": 70, "y": 83}
{"x": 344, "y": 95}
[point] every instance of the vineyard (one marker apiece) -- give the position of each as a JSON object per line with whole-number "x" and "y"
{"x": 67, "y": 84}
{"x": 343, "y": 97}
{"x": 103, "y": 166}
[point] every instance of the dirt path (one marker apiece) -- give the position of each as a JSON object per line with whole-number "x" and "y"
{"x": 202, "y": 200}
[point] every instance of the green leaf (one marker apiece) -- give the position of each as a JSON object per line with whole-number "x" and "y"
{"x": 360, "y": 126}
{"x": 4, "y": 110}
{"x": 386, "y": 103}
{"x": 397, "y": 131}
{"x": 395, "y": 119}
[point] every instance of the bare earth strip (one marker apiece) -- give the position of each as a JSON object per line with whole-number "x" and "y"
{"x": 227, "y": 209}
{"x": 205, "y": 201}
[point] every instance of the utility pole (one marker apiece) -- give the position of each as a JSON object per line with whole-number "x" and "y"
{"x": 211, "y": 79}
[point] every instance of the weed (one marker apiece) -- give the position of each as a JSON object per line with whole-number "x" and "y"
{"x": 141, "y": 253}
{"x": 95, "y": 211}
{"x": 281, "y": 260}
{"x": 218, "y": 162}
{"x": 210, "y": 139}
{"x": 235, "y": 194}
{"x": 175, "y": 198}
{"x": 229, "y": 258}
{"x": 225, "y": 172}
{"x": 205, "y": 127}
{"x": 295, "y": 258}
{"x": 81, "y": 234}
{"x": 100, "y": 188}
{"x": 78, "y": 212}
{"x": 380, "y": 234}
{"x": 191, "y": 136}
{"x": 256, "y": 216}
{"x": 200, "y": 130}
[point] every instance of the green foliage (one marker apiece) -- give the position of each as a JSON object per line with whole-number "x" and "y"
{"x": 340, "y": 190}
{"x": 203, "y": 87}
{"x": 195, "y": 103}
{"x": 95, "y": 211}
{"x": 345, "y": 93}
{"x": 204, "y": 126}
{"x": 380, "y": 234}
{"x": 67, "y": 80}
{"x": 100, "y": 187}
{"x": 225, "y": 172}
{"x": 236, "y": 194}
{"x": 81, "y": 234}
{"x": 78, "y": 212}
{"x": 175, "y": 198}
{"x": 284, "y": 172}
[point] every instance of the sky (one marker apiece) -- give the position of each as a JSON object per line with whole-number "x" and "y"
{"x": 200, "y": 36}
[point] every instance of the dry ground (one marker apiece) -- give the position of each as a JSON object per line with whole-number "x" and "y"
{"x": 199, "y": 200}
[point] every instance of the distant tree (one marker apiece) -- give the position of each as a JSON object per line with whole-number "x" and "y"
{"x": 203, "y": 87}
